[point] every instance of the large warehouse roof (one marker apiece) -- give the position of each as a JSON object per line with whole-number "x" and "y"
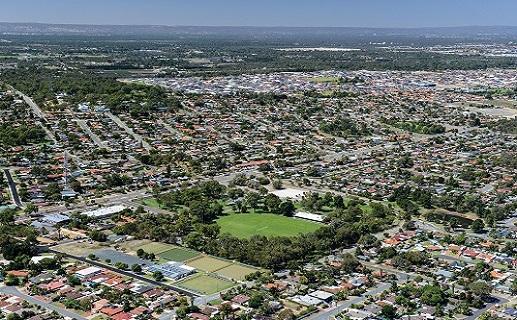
{"x": 104, "y": 212}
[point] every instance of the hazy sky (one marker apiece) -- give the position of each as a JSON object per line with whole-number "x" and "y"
{"x": 364, "y": 13}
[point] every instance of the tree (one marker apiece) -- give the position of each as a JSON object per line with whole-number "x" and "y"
{"x": 97, "y": 235}
{"x": 11, "y": 280}
{"x": 136, "y": 268}
{"x": 7, "y": 217}
{"x": 31, "y": 208}
{"x": 272, "y": 202}
{"x": 73, "y": 281}
{"x": 477, "y": 226}
{"x": 205, "y": 211}
{"x": 13, "y": 316}
{"x": 338, "y": 202}
{"x": 158, "y": 276}
{"x": 389, "y": 311}
{"x": 121, "y": 265}
{"x": 480, "y": 289}
{"x": 432, "y": 295}
{"x": 277, "y": 184}
{"x": 349, "y": 263}
{"x": 252, "y": 200}
{"x": 286, "y": 208}
{"x": 256, "y": 300}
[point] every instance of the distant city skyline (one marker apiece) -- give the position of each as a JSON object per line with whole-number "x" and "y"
{"x": 288, "y": 13}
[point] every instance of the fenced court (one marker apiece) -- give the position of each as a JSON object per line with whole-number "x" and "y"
{"x": 236, "y": 271}
{"x": 178, "y": 254}
{"x": 205, "y": 284}
{"x": 207, "y": 263}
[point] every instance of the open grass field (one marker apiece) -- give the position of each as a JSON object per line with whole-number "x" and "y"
{"x": 178, "y": 254}
{"x": 324, "y": 79}
{"x": 205, "y": 284}
{"x": 82, "y": 249}
{"x": 247, "y": 225}
{"x": 132, "y": 245}
{"x": 235, "y": 271}
{"x": 208, "y": 264}
{"x": 152, "y": 202}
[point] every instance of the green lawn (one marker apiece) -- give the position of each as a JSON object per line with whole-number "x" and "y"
{"x": 205, "y": 284}
{"x": 178, "y": 254}
{"x": 152, "y": 202}
{"x": 324, "y": 79}
{"x": 236, "y": 271}
{"x": 208, "y": 263}
{"x": 247, "y": 225}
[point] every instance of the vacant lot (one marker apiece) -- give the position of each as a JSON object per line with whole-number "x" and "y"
{"x": 236, "y": 272}
{"x": 178, "y": 254}
{"x": 208, "y": 264}
{"x": 205, "y": 284}
{"x": 132, "y": 245}
{"x": 247, "y": 225}
{"x": 82, "y": 249}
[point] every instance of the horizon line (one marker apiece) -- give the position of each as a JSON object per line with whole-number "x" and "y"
{"x": 257, "y": 26}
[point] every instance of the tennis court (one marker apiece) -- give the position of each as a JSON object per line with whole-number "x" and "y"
{"x": 207, "y": 263}
{"x": 236, "y": 271}
{"x": 205, "y": 284}
{"x": 178, "y": 254}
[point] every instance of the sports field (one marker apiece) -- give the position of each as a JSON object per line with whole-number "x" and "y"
{"x": 178, "y": 254}
{"x": 247, "y": 225}
{"x": 205, "y": 284}
{"x": 324, "y": 79}
{"x": 235, "y": 271}
{"x": 208, "y": 264}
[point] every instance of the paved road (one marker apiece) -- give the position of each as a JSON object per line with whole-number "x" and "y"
{"x": 49, "y": 133}
{"x": 327, "y": 314}
{"x": 169, "y": 128}
{"x": 130, "y": 131}
{"x": 479, "y": 312}
{"x": 64, "y": 312}
{"x": 12, "y": 188}
{"x": 95, "y": 138}
{"x": 35, "y": 108}
{"x": 167, "y": 315}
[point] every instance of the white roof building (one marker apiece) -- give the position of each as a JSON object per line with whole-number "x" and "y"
{"x": 88, "y": 272}
{"x": 105, "y": 212}
{"x": 309, "y": 216}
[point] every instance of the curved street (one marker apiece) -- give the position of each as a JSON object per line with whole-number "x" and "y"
{"x": 13, "y": 291}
